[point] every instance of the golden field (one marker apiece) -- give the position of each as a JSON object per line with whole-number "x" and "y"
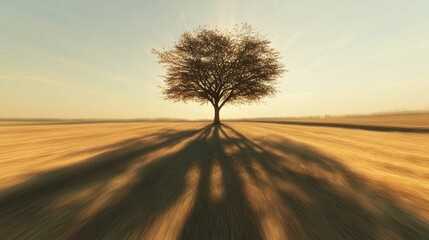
{"x": 402, "y": 122}
{"x": 192, "y": 180}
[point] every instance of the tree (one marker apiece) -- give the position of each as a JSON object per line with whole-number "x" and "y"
{"x": 219, "y": 67}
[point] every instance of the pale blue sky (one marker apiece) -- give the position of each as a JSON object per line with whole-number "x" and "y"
{"x": 91, "y": 59}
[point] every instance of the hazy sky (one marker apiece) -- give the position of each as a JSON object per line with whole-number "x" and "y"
{"x": 82, "y": 58}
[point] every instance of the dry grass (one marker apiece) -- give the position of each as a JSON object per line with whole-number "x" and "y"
{"x": 193, "y": 181}
{"x": 417, "y": 120}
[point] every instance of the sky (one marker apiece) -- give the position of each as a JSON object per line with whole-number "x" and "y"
{"x": 92, "y": 59}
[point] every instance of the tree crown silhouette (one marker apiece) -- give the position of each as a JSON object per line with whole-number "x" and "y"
{"x": 219, "y": 67}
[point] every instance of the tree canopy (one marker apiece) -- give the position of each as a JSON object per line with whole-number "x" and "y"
{"x": 219, "y": 67}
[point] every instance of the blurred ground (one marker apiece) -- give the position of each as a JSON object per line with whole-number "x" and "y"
{"x": 416, "y": 121}
{"x": 195, "y": 181}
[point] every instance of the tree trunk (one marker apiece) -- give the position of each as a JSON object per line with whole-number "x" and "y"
{"x": 216, "y": 116}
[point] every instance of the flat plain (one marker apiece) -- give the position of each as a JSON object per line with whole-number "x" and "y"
{"x": 411, "y": 120}
{"x": 193, "y": 180}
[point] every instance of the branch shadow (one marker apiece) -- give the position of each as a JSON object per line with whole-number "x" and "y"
{"x": 205, "y": 190}
{"x": 33, "y": 208}
{"x": 163, "y": 185}
{"x": 328, "y": 210}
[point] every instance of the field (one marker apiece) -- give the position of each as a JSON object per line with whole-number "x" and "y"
{"x": 397, "y": 120}
{"x": 192, "y": 180}
{"x": 402, "y": 122}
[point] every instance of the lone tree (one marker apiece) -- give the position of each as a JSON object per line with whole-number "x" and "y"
{"x": 210, "y": 65}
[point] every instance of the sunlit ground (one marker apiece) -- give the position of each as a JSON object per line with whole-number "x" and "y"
{"x": 195, "y": 181}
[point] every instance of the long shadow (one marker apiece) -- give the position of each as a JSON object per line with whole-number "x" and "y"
{"x": 161, "y": 185}
{"x": 332, "y": 214}
{"x": 355, "y": 126}
{"x": 162, "y": 199}
{"x": 229, "y": 217}
{"x": 93, "y": 169}
{"x": 28, "y": 210}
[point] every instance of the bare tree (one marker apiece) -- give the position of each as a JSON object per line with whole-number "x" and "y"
{"x": 210, "y": 65}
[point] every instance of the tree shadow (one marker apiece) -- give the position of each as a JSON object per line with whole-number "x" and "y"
{"x": 328, "y": 210}
{"x": 34, "y": 208}
{"x": 229, "y": 215}
{"x": 220, "y": 185}
{"x": 162, "y": 184}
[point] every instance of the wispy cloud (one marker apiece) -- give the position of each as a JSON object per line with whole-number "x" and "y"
{"x": 47, "y": 54}
{"x": 296, "y": 36}
{"x": 13, "y": 75}
{"x": 132, "y": 81}
{"x": 82, "y": 66}
{"x": 30, "y": 77}
{"x": 317, "y": 48}
{"x": 292, "y": 40}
